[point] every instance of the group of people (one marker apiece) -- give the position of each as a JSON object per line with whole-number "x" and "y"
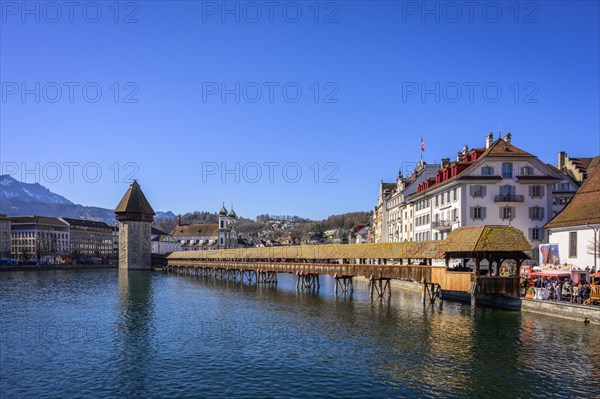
{"x": 561, "y": 290}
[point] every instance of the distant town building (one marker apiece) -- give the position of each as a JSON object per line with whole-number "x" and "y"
{"x": 393, "y": 215}
{"x": 499, "y": 184}
{"x": 196, "y": 237}
{"x": 578, "y": 168}
{"x": 163, "y": 243}
{"x": 5, "y": 237}
{"x": 286, "y": 240}
{"x": 359, "y": 234}
{"x": 332, "y": 236}
{"x": 573, "y": 172}
{"x": 575, "y": 228}
{"x": 40, "y": 239}
{"x": 89, "y": 238}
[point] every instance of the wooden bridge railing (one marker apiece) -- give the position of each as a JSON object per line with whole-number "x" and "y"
{"x": 402, "y": 272}
{"x": 455, "y": 281}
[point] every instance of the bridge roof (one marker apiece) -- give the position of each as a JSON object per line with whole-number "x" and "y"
{"x": 487, "y": 238}
{"x": 462, "y": 242}
{"x": 388, "y": 250}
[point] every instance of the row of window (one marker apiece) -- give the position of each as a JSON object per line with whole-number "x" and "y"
{"x": 447, "y": 197}
{"x": 451, "y": 215}
{"x": 506, "y": 212}
{"x": 422, "y": 220}
{"x": 560, "y": 200}
{"x": 31, "y": 234}
{"x": 422, "y": 236}
{"x": 561, "y": 187}
{"x": 480, "y": 191}
{"x": 25, "y": 241}
{"x": 507, "y": 170}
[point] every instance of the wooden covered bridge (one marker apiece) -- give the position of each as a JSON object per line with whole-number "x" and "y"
{"x": 379, "y": 263}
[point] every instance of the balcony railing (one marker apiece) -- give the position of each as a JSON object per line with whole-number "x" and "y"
{"x": 441, "y": 225}
{"x": 509, "y": 198}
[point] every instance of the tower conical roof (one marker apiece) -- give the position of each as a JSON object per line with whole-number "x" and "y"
{"x": 134, "y": 205}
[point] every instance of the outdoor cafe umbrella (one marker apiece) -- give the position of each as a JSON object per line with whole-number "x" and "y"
{"x": 597, "y": 274}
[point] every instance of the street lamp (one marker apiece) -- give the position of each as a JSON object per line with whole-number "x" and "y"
{"x": 595, "y": 244}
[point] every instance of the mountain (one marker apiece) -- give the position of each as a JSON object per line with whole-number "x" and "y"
{"x": 14, "y": 190}
{"x": 17, "y": 198}
{"x": 164, "y": 215}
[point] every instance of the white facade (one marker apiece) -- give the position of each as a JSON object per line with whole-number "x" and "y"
{"x": 165, "y": 244}
{"x": 508, "y": 200}
{"x": 575, "y": 245}
{"x": 562, "y": 192}
{"x": 490, "y": 189}
{"x": 39, "y": 238}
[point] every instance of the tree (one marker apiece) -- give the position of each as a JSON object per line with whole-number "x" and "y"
{"x": 589, "y": 249}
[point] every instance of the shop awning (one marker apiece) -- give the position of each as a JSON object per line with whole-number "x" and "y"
{"x": 550, "y": 274}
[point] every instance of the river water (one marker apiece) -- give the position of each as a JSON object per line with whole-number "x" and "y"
{"x": 100, "y": 334}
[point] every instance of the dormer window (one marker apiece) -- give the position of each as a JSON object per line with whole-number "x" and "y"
{"x": 526, "y": 171}
{"x": 487, "y": 171}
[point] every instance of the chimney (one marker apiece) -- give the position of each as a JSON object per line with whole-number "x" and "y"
{"x": 561, "y": 160}
{"x": 178, "y": 220}
{"x": 508, "y": 137}
{"x": 445, "y": 162}
{"x": 489, "y": 139}
{"x": 458, "y": 155}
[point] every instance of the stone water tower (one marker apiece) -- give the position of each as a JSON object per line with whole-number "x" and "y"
{"x": 135, "y": 215}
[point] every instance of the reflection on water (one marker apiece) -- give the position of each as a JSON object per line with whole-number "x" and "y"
{"x": 134, "y": 330}
{"x": 141, "y": 334}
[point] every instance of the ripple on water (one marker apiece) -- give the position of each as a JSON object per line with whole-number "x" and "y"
{"x": 104, "y": 334}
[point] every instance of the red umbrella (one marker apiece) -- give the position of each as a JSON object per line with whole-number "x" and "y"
{"x": 597, "y": 274}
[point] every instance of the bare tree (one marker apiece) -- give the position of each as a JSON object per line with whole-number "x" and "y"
{"x": 589, "y": 249}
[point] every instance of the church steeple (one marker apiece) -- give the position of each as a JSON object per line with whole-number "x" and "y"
{"x": 231, "y": 213}
{"x": 223, "y": 210}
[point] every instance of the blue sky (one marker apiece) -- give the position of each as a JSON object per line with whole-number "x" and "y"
{"x": 191, "y": 89}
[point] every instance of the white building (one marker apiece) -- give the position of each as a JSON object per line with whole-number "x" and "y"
{"x": 195, "y": 237}
{"x": 393, "y": 216}
{"x": 498, "y": 184}
{"x": 39, "y": 238}
{"x": 162, "y": 243}
{"x": 359, "y": 234}
{"x": 576, "y": 226}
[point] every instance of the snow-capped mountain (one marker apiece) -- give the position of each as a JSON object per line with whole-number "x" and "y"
{"x": 18, "y": 198}
{"x": 13, "y": 189}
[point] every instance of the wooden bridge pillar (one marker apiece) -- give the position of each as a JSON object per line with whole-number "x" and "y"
{"x": 474, "y": 283}
{"x": 308, "y": 281}
{"x": 344, "y": 282}
{"x": 381, "y": 286}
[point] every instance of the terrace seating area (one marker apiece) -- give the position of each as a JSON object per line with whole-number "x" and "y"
{"x": 565, "y": 291}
